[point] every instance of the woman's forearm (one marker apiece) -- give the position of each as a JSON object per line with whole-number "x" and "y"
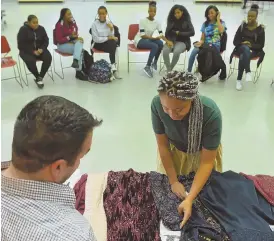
{"x": 206, "y": 166}
{"x": 220, "y": 27}
{"x": 166, "y": 158}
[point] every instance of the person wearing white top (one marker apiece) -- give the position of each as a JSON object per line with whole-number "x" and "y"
{"x": 144, "y": 39}
{"x": 102, "y": 32}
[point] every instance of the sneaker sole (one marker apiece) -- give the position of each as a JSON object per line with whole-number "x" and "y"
{"x": 150, "y": 76}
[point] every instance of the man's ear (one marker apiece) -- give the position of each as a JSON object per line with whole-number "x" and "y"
{"x": 57, "y": 168}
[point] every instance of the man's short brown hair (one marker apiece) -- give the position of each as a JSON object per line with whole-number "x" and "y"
{"x": 48, "y": 129}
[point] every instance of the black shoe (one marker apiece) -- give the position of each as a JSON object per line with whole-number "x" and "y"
{"x": 75, "y": 64}
{"x": 81, "y": 76}
{"x": 244, "y": 7}
{"x": 222, "y": 75}
{"x": 39, "y": 82}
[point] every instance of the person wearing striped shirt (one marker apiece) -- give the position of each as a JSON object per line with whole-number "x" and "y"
{"x": 145, "y": 40}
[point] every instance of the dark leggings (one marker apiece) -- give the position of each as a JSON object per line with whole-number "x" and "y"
{"x": 108, "y": 47}
{"x": 31, "y": 59}
{"x": 155, "y": 47}
{"x": 244, "y": 60}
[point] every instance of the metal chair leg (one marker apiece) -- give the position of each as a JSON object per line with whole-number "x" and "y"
{"x": 26, "y": 75}
{"x": 231, "y": 69}
{"x": 54, "y": 67}
{"x": 21, "y": 73}
{"x": 128, "y": 61}
{"x": 50, "y": 73}
{"x": 15, "y": 76}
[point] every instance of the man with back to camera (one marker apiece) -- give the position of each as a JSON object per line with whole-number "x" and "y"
{"x": 51, "y": 135}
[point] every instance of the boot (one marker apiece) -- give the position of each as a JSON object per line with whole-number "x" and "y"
{"x": 81, "y": 75}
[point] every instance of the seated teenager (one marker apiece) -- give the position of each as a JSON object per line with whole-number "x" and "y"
{"x": 69, "y": 42}
{"x": 102, "y": 32}
{"x": 249, "y": 42}
{"x": 178, "y": 32}
{"x": 212, "y": 29}
{"x": 51, "y": 136}
{"x": 144, "y": 39}
{"x": 33, "y": 42}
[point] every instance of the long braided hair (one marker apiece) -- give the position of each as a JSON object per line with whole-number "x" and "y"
{"x": 184, "y": 86}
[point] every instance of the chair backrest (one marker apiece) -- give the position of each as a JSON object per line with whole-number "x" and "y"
{"x": 5, "y": 47}
{"x": 133, "y": 29}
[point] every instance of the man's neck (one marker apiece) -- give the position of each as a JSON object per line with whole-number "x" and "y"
{"x": 12, "y": 172}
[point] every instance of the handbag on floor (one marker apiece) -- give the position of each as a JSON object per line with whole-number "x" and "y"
{"x": 100, "y": 72}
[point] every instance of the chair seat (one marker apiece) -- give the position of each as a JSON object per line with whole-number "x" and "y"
{"x": 97, "y": 51}
{"x": 7, "y": 62}
{"x": 62, "y": 54}
{"x": 132, "y": 48}
{"x": 254, "y": 58}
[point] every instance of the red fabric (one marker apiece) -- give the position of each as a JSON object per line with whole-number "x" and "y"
{"x": 264, "y": 184}
{"x": 130, "y": 208}
{"x": 5, "y": 47}
{"x": 133, "y": 29}
{"x": 7, "y": 62}
{"x": 63, "y": 54}
{"x": 63, "y": 31}
{"x": 132, "y": 48}
{"x": 80, "y": 193}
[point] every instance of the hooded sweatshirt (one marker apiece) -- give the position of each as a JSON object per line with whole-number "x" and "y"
{"x": 256, "y": 37}
{"x": 29, "y": 40}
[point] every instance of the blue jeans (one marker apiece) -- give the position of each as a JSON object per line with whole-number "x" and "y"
{"x": 75, "y": 48}
{"x": 155, "y": 47}
{"x": 244, "y": 60}
{"x": 192, "y": 57}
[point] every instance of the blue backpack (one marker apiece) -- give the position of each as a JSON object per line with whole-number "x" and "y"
{"x": 100, "y": 72}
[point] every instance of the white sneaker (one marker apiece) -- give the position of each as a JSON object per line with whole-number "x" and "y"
{"x": 239, "y": 85}
{"x": 248, "y": 77}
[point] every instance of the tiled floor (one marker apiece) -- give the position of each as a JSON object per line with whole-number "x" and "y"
{"x": 126, "y": 139}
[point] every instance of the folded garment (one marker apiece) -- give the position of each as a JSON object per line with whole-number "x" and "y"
{"x": 80, "y": 193}
{"x": 94, "y": 208}
{"x": 201, "y": 223}
{"x": 130, "y": 208}
{"x": 233, "y": 200}
{"x": 169, "y": 235}
{"x": 264, "y": 184}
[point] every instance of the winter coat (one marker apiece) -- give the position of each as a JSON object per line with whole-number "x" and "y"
{"x": 29, "y": 40}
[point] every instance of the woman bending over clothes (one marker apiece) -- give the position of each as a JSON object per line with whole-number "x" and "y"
{"x": 178, "y": 32}
{"x": 33, "y": 42}
{"x": 144, "y": 39}
{"x": 69, "y": 42}
{"x": 212, "y": 29}
{"x": 102, "y": 32}
{"x": 188, "y": 130}
{"x": 249, "y": 42}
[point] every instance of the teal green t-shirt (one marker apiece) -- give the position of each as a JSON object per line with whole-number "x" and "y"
{"x": 177, "y": 131}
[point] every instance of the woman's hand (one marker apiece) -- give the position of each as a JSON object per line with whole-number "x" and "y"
{"x": 80, "y": 39}
{"x": 110, "y": 25}
{"x": 198, "y": 44}
{"x": 178, "y": 189}
{"x": 112, "y": 38}
{"x": 36, "y": 52}
{"x": 218, "y": 17}
{"x": 247, "y": 43}
{"x": 185, "y": 208}
{"x": 169, "y": 44}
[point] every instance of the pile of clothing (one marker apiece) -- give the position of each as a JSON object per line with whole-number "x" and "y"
{"x": 134, "y": 206}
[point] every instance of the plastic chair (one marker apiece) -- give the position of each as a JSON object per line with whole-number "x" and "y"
{"x": 56, "y": 51}
{"x": 133, "y": 29}
{"x": 8, "y": 61}
{"x": 26, "y": 72}
{"x": 257, "y": 72}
